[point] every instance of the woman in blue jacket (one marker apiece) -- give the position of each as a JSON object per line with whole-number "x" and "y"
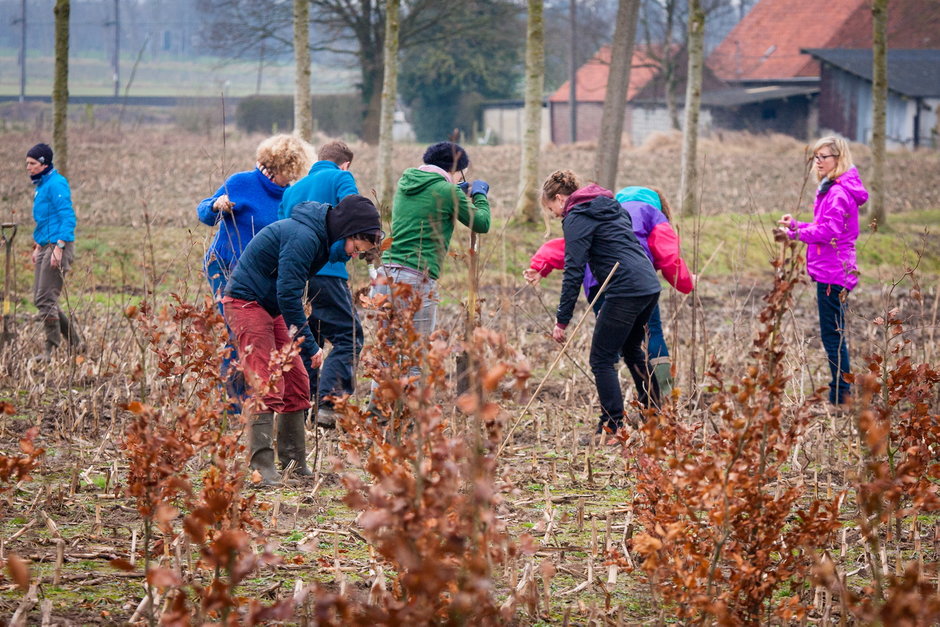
{"x": 248, "y": 201}
{"x": 54, "y": 246}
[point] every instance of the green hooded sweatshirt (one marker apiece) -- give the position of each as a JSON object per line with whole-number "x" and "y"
{"x": 423, "y": 216}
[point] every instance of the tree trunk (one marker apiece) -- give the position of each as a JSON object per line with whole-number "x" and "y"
{"x": 879, "y": 97}
{"x": 303, "y": 116}
{"x": 693, "y": 98}
{"x": 572, "y": 72}
{"x": 60, "y": 87}
{"x": 389, "y": 95}
{"x": 615, "y": 100}
{"x": 372, "y": 85}
{"x": 527, "y": 205}
{"x": 669, "y": 67}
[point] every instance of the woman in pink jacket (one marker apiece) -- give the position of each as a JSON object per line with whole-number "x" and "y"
{"x": 830, "y": 250}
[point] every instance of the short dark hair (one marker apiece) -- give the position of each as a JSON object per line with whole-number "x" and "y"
{"x": 336, "y": 151}
{"x": 448, "y": 156}
{"x": 373, "y": 237}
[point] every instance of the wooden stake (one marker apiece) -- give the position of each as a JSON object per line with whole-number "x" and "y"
{"x": 133, "y": 555}
{"x": 59, "y": 558}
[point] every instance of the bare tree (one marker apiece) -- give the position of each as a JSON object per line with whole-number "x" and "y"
{"x": 527, "y": 205}
{"x": 573, "y": 71}
{"x": 303, "y": 116}
{"x": 60, "y": 87}
{"x": 662, "y": 49}
{"x": 389, "y": 95}
{"x": 347, "y": 27}
{"x": 879, "y": 97}
{"x": 615, "y": 100}
{"x": 693, "y": 98}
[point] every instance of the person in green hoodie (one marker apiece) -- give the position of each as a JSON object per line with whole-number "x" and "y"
{"x": 428, "y": 202}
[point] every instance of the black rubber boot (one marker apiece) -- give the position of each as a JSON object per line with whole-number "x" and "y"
{"x": 261, "y": 455}
{"x": 662, "y": 372}
{"x": 53, "y": 337}
{"x": 69, "y": 330}
{"x": 291, "y": 442}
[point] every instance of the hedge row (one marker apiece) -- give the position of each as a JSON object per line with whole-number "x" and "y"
{"x": 333, "y": 114}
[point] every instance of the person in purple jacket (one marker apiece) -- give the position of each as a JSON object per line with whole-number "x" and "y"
{"x": 830, "y": 250}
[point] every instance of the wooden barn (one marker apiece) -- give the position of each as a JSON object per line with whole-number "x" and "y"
{"x": 845, "y": 95}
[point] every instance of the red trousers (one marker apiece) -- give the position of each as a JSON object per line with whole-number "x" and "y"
{"x": 258, "y": 335}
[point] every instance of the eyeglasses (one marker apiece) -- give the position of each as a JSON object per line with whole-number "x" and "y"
{"x": 819, "y": 158}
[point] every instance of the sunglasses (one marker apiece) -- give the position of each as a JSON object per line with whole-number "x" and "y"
{"x": 818, "y": 158}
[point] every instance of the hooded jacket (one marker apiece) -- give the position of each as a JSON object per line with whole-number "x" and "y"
{"x": 425, "y": 209}
{"x": 830, "y": 237}
{"x": 256, "y": 199}
{"x": 52, "y": 210}
{"x": 278, "y": 262}
{"x": 326, "y": 183}
{"x": 599, "y": 233}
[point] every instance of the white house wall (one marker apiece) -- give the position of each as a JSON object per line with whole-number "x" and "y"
{"x": 507, "y": 123}
{"x": 655, "y": 119}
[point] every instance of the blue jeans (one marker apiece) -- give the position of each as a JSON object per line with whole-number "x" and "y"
{"x": 831, "y": 301}
{"x": 333, "y": 318}
{"x": 656, "y": 342}
{"x": 425, "y": 319}
{"x": 217, "y": 274}
{"x": 619, "y": 332}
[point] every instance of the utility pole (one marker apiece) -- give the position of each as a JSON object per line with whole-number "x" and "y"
{"x": 117, "y": 48}
{"x": 573, "y": 73}
{"x": 260, "y": 68}
{"x": 116, "y": 60}
{"x": 22, "y": 22}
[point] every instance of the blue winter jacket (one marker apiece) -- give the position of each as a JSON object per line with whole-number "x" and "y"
{"x": 325, "y": 183}
{"x": 277, "y": 263}
{"x": 256, "y": 199}
{"x": 52, "y": 210}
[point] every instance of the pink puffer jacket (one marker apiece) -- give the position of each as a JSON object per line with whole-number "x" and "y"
{"x": 830, "y": 237}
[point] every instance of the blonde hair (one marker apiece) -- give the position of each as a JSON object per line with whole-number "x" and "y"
{"x": 839, "y": 148}
{"x": 285, "y": 154}
{"x": 560, "y": 182}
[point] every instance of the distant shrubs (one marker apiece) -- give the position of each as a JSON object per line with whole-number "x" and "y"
{"x": 333, "y": 114}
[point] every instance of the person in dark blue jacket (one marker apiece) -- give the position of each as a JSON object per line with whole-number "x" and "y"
{"x": 599, "y": 234}
{"x": 333, "y": 316}
{"x": 54, "y": 247}
{"x": 264, "y": 307}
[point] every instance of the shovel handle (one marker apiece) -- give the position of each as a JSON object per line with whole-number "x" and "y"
{"x": 7, "y": 232}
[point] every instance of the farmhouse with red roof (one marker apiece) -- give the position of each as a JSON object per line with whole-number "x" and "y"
{"x": 770, "y": 49}
{"x": 645, "y": 110}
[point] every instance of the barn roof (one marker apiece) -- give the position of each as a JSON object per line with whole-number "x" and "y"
{"x": 591, "y": 78}
{"x": 767, "y": 45}
{"x": 914, "y": 73}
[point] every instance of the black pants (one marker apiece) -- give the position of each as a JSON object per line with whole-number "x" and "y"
{"x": 620, "y": 331}
{"x": 334, "y": 319}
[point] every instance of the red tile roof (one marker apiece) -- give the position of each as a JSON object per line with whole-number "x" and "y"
{"x": 591, "y": 78}
{"x": 766, "y": 44}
